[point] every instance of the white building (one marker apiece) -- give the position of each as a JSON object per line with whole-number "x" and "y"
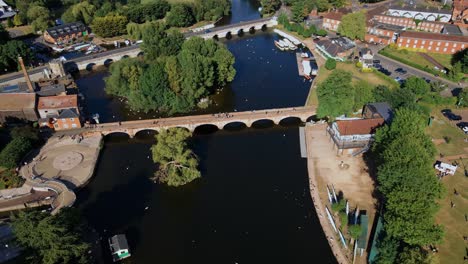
{"x": 6, "y": 11}
{"x": 440, "y": 15}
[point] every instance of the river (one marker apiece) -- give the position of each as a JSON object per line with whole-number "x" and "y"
{"x": 252, "y": 204}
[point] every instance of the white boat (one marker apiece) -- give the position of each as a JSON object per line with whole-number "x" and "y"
{"x": 281, "y": 45}
{"x": 289, "y": 44}
{"x": 304, "y": 55}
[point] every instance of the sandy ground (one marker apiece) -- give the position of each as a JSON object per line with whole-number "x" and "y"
{"x": 58, "y": 148}
{"x": 354, "y": 182}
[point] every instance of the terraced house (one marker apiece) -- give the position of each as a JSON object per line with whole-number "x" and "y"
{"x": 430, "y": 42}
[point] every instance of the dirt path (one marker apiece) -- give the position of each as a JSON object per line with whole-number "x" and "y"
{"x": 431, "y": 60}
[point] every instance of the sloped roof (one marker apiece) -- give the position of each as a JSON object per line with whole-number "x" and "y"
{"x": 66, "y": 29}
{"x": 421, "y": 9}
{"x": 119, "y": 242}
{"x": 58, "y": 102}
{"x": 17, "y": 101}
{"x": 433, "y": 36}
{"x": 383, "y": 109}
{"x": 68, "y": 113}
{"x": 359, "y": 126}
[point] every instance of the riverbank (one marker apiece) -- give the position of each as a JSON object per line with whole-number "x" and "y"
{"x": 356, "y": 184}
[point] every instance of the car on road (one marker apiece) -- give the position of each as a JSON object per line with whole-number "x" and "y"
{"x": 376, "y": 61}
{"x": 427, "y": 80}
{"x": 401, "y": 71}
{"x": 385, "y": 71}
{"x": 463, "y": 126}
{"x": 450, "y": 115}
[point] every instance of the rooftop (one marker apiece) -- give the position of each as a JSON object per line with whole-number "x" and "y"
{"x": 14, "y": 101}
{"x": 336, "y": 45}
{"x": 383, "y": 109}
{"x": 336, "y": 14}
{"x": 118, "y": 242}
{"x": 452, "y": 30}
{"x": 51, "y": 90}
{"x": 21, "y": 87}
{"x": 58, "y": 102}
{"x": 385, "y": 26}
{"x": 421, "y": 9}
{"x": 433, "y": 36}
{"x": 68, "y": 113}
{"x": 359, "y": 126}
{"x": 66, "y": 29}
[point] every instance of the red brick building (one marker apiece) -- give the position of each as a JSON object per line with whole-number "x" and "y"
{"x": 59, "y": 112}
{"x": 65, "y": 33}
{"x": 460, "y": 13}
{"x": 431, "y": 42}
{"x": 429, "y": 26}
{"x": 332, "y": 20}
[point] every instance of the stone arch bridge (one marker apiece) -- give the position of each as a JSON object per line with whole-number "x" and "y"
{"x": 248, "y": 118}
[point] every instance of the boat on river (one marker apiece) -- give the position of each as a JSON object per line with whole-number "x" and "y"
{"x": 281, "y": 45}
{"x": 119, "y": 247}
{"x": 290, "y": 45}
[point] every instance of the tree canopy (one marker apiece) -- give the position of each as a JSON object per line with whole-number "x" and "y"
{"x": 110, "y": 25}
{"x": 4, "y": 35}
{"x": 158, "y": 42}
{"x": 147, "y": 12}
{"x": 181, "y": 15}
{"x": 14, "y": 151}
{"x": 51, "y": 239}
{"x": 406, "y": 179}
{"x": 417, "y": 86}
{"x": 335, "y": 95}
{"x": 211, "y": 9}
{"x": 178, "y": 165}
{"x": 353, "y": 25}
{"x": 270, "y": 6}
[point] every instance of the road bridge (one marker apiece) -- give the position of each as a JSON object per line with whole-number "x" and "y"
{"x": 107, "y": 57}
{"x": 248, "y": 118}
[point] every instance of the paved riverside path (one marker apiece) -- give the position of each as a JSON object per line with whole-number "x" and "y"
{"x": 192, "y": 122}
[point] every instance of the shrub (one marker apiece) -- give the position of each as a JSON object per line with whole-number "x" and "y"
{"x": 330, "y": 64}
{"x": 343, "y": 219}
{"x": 12, "y": 154}
{"x": 359, "y": 64}
{"x": 354, "y": 231}
{"x": 339, "y": 206}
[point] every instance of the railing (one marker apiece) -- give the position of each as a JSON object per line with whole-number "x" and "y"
{"x": 342, "y": 144}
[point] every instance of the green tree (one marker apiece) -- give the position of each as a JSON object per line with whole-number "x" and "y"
{"x": 14, "y": 151}
{"x": 17, "y": 21}
{"x": 355, "y": 231}
{"x": 147, "y": 12}
{"x": 330, "y": 64}
{"x": 387, "y": 249}
{"x": 270, "y": 6}
{"x": 406, "y": 179}
{"x": 10, "y": 23}
{"x": 335, "y": 95}
{"x": 110, "y": 25}
{"x": 124, "y": 77}
{"x": 339, "y": 206}
{"x": 39, "y": 17}
{"x": 172, "y": 69}
{"x": 158, "y": 42}
{"x": 353, "y": 25}
{"x": 51, "y": 239}
{"x": 178, "y": 165}
{"x": 456, "y": 73}
{"x": 414, "y": 255}
{"x": 417, "y": 86}
{"x": 27, "y": 132}
{"x": 181, "y": 15}
{"x": 4, "y": 35}
{"x": 363, "y": 94}
{"x": 83, "y": 11}
{"x": 211, "y": 10}
{"x": 9, "y": 54}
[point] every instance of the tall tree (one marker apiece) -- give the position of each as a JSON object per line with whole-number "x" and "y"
{"x": 363, "y": 94}
{"x": 158, "y": 42}
{"x": 9, "y": 54}
{"x": 4, "y": 35}
{"x": 270, "y": 6}
{"x": 177, "y": 163}
{"x": 335, "y": 95}
{"x": 124, "y": 77}
{"x": 83, "y": 11}
{"x": 211, "y": 10}
{"x": 353, "y": 25}
{"x": 39, "y": 17}
{"x": 110, "y": 25}
{"x": 51, "y": 239}
{"x": 181, "y": 15}
{"x": 417, "y": 86}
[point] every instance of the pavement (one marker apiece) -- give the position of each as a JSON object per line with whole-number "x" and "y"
{"x": 392, "y": 65}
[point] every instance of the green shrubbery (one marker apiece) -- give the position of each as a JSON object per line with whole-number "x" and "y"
{"x": 330, "y": 64}
{"x": 301, "y": 29}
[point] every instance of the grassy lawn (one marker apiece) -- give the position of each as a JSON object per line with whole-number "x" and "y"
{"x": 412, "y": 56}
{"x": 370, "y": 77}
{"x": 453, "y": 248}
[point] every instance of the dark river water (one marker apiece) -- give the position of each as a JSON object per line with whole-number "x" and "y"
{"x": 252, "y": 204}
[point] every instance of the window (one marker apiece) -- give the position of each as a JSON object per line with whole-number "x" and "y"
{"x": 65, "y": 125}
{"x": 463, "y": 46}
{"x": 63, "y": 119}
{"x": 399, "y": 45}
{"x": 438, "y": 43}
{"x": 437, "y": 49}
{"x": 416, "y": 41}
{"x": 445, "y": 49}
{"x": 74, "y": 125}
{"x": 422, "y": 47}
{"x": 72, "y": 119}
{"x": 423, "y": 42}
{"x": 429, "y": 48}
{"x": 430, "y": 43}
{"x": 446, "y": 44}
{"x": 453, "y": 50}
{"x": 407, "y": 40}
{"x": 407, "y": 45}
{"x": 455, "y": 45}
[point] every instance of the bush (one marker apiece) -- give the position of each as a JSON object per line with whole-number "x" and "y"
{"x": 359, "y": 65}
{"x": 343, "y": 219}
{"x": 321, "y": 32}
{"x": 12, "y": 154}
{"x": 339, "y": 206}
{"x": 355, "y": 231}
{"x": 181, "y": 15}
{"x": 9, "y": 179}
{"x": 330, "y": 64}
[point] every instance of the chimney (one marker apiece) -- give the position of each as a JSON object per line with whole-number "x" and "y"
{"x": 26, "y": 76}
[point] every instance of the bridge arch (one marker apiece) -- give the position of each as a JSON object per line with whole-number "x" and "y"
{"x": 291, "y": 120}
{"x": 252, "y": 30}
{"x": 108, "y": 62}
{"x": 264, "y": 27}
{"x": 140, "y": 54}
{"x": 263, "y": 123}
{"x": 125, "y": 57}
{"x": 216, "y": 37}
{"x": 235, "y": 126}
{"x": 90, "y": 66}
{"x": 119, "y": 135}
{"x": 228, "y": 35}
{"x": 240, "y": 32}
{"x": 145, "y": 132}
{"x": 206, "y": 129}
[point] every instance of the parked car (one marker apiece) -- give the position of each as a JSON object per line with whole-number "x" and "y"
{"x": 450, "y": 115}
{"x": 463, "y": 126}
{"x": 401, "y": 71}
{"x": 385, "y": 71}
{"x": 376, "y": 61}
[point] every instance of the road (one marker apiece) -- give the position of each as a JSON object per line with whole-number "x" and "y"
{"x": 392, "y": 65}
